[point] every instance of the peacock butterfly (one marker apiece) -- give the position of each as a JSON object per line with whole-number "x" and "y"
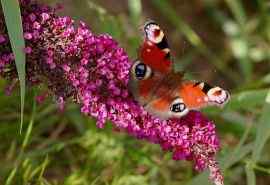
{"x": 161, "y": 91}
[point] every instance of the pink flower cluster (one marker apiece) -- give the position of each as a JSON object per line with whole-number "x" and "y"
{"x": 94, "y": 70}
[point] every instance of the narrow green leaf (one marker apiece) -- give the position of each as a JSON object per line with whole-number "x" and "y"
{"x": 266, "y": 79}
{"x": 43, "y": 166}
{"x": 95, "y": 181}
{"x": 240, "y": 43}
{"x": 236, "y": 156}
{"x": 12, "y": 13}
{"x": 263, "y": 132}
{"x": 188, "y": 32}
{"x": 237, "y": 10}
{"x": 199, "y": 180}
{"x": 247, "y": 99}
{"x": 26, "y": 173}
{"x": 244, "y": 62}
{"x": 267, "y": 99}
{"x": 135, "y": 8}
{"x": 250, "y": 175}
{"x": 11, "y": 176}
{"x": 30, "y": 127}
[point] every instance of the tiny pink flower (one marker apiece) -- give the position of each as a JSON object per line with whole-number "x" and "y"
{"x": 28, "y": 36}
{"x": 41, "y": 98}
{"x": 45, "y": 17}
{"x": 49, "y": 60}
{"x": 36, "y": 25}
{"x": 2, "y": 39}
{"x": 66, "y": 68}
{"x": 32, "y": 17}
{"x": 27, "y": 50}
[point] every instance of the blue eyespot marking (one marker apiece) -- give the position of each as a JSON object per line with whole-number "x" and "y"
{"x": 140, "y": 71}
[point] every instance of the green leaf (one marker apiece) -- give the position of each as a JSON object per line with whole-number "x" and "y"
{"x": 263, "y": 132}
{"x": 237, "y": 10}
{"x": 247, "y": 99}
{"x": 267, "y": 99}
{"x": 266, "y": 78}
{"x": 240, "y": 43}
{"x": 135, "y": 8}
{"x": 187, "y": 31}
{"x": 200, "y": 179}
{"x": 11, "y": 176}
{"x": 250, "y": 175}
{"x": 236, "y": 156}
{"x": 30, "y": 126}
{"x": 12, "y": 13}
{"x": 43, "y": 167}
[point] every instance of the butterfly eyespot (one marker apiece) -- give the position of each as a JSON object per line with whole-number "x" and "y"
{"x": 178, "y": 108}
{"x": 141, "y": 71}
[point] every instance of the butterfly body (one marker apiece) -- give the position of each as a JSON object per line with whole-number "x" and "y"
{"x": 159, "y": 89}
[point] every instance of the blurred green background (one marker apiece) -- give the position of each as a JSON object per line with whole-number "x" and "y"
{"x": 224, "y": 42}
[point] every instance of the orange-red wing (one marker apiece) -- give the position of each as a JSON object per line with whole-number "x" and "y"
{"x": 145, "y": 87}
{"x": 193, "y": 96}
{"x": 161, "y": 104}
{"x": 154, "y": 57}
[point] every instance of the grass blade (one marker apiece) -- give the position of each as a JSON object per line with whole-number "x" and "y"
{"x": 11, "y": 176}
{"x": 12, "y": 13}
{"x": 263, "y": 133}
{"x": 237, "y": 10}
{"x": 250, "y": 174}
{"x": 43, "y": 167}
{"x": 135, "y": 9}
{"x": 30, "y": 127}
{"x": 247, "y": 99}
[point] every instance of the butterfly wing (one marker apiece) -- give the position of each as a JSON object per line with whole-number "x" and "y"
{"x": 159, "y": 93}
{"x": 170, "y": 96}
{"x": 152, "y": 65}
{"x": 185, "y": 96}
{"x": 155, "y": 51}
{"x": 148, "y": 86}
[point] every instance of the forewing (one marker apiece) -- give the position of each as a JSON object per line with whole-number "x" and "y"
{"x": 155, "y": 50}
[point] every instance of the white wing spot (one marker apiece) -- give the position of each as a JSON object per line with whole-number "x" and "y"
{"x": 218, "y": 96}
